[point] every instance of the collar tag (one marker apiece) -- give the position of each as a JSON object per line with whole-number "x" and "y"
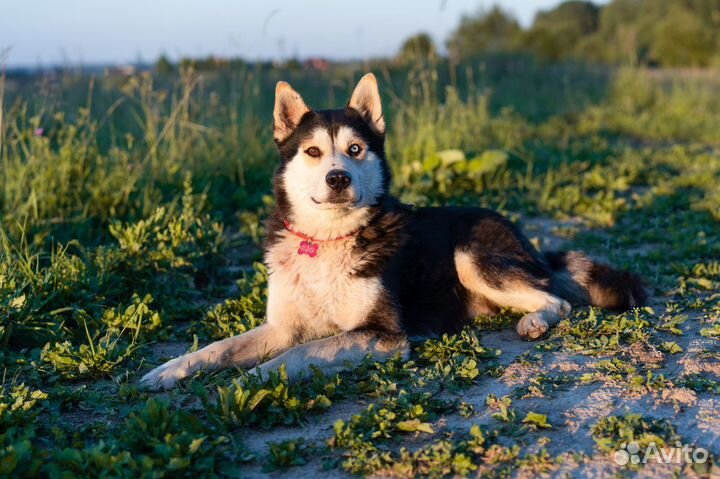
{"x": 308, "y": 248}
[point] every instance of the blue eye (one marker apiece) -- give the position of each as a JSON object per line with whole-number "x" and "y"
{"x": 355, "y": 149}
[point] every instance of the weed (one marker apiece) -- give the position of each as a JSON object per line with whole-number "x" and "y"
{"x": 19, "y": 409}
{"x": 536, "y": 421}
{"x": 502, "y": 406}
{"x": 611, "y": 432}
{"x": 700, "y": 383}
{"x": 236, "y": 316}
{"x": 286, "y": 454}
{"x": 458, "y": 357}
{"x": 265, "y": 402}
{"x": 603, "y": 333}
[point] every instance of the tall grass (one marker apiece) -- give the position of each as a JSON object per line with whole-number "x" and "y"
{"x": 70, "y": 172}
{"x": 667, "y": 108}
{"x": 105, "y": 148}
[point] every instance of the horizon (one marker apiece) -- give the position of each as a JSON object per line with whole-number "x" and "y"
{"x": 86, "y": 33}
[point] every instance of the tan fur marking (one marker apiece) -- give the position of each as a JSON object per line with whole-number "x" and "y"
{"x": 333, "y": 354}
{"x": 579, "y": 267}
{"x": 519, "y": 297}
{"x": 244, "y": 350}
{"x": 321, "y": 140}
{"x": 544, "y": 308}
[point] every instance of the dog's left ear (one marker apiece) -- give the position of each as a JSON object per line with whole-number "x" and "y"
{"x": 366, "y": 101}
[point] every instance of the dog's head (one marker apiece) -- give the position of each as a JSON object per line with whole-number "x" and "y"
{"x": 333, "y": 167}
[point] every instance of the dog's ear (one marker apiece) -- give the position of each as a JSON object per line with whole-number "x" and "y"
{"x": 289, "y": 110}
{"x": 366, "y": 100}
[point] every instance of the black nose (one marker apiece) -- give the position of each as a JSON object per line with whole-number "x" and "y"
{"x": 338, "y": 180}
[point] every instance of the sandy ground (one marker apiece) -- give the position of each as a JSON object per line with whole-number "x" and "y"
{"x": 571, "y": 411}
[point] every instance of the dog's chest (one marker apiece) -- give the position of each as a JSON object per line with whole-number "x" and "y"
{"x": 319, "y": 285}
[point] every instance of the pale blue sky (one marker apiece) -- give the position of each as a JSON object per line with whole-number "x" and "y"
{"x": 44, "y": 32}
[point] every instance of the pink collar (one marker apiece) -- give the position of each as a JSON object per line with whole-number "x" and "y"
{"x": 309, "y": 245}
{"x": 300, "y": 235}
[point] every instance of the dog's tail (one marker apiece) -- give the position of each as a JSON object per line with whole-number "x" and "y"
{"x": 582, "y": 281}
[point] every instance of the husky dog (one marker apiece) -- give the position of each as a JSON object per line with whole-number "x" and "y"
{"x": 355, "y": 272}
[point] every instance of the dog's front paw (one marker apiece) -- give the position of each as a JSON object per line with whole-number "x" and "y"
{"x": 264, "y": 369}
{"x": 166, "y": 376}
{"x": 532, "y": 326}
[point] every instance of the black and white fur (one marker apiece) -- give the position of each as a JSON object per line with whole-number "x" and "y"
{"x": 384, "y": 271}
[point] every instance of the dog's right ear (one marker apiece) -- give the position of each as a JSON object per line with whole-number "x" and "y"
{"x": 289, "y": 110}
{"x": 366, "y": 101}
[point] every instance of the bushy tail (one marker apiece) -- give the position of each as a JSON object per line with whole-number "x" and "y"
{"x": 580, "y": 280}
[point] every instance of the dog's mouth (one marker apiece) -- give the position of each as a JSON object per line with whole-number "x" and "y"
{"x": 338, "y": 202}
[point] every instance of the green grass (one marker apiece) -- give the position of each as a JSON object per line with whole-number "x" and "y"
{"x": 133, "y": 222}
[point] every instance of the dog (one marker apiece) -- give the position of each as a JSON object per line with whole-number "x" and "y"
{"x": 352, "y": 271}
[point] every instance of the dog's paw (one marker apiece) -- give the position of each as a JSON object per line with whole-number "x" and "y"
{"x": 263, "y": 370}
{"x": 532, "y": 326}
{"x": 166, "y": 376}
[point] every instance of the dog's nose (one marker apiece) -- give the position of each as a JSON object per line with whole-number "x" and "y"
{"x": 338, "y": 180}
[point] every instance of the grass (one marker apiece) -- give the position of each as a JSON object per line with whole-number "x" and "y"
{"x": 131, "y": 215}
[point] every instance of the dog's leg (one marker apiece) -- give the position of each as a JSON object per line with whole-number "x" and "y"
{"x": 337, "y": 353}
{"x": 544, "y": 309}
{"x": 245, "y": 350}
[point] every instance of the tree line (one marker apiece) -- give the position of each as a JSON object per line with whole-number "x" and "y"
{"x": 668, "y": 33}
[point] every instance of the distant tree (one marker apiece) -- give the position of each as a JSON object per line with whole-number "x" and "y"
{"x": 163, "y": 66}
{"x": 417, "y": 49}
{"x": 293, "y": 64}
{"x": 555, "y": 33}
{"x": 493, "y": 30}
{"x": 655, "y": 32}
{"x": 626, "y": 30}
{"x": 578, "y": 15}
{"x": 682, "y": 38}
{"x": 706, "y": 10}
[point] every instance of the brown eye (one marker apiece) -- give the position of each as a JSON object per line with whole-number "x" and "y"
{"x": 313, "y": 151}
{"x": 355, "y": 149}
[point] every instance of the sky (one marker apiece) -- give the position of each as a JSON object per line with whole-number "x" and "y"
{"x": 48, "y": 32}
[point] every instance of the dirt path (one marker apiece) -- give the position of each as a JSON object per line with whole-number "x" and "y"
{"x": 571, "y": 411}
